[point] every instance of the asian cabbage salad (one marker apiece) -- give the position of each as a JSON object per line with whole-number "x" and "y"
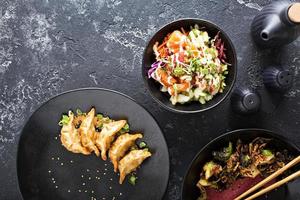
{"x": 190, "y": 66}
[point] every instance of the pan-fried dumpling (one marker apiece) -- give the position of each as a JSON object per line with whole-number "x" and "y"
{"x": 131, "y": 161}
{"x": 70, "y": 137}
{"x": 107, "y": 136}
{"x": 88, "y": 132}
{"x": 120, "y": 147}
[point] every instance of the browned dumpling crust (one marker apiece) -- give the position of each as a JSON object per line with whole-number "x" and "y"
{"x": 121, "y": 146}
{"x": 87, "y": 132}
{"x": 107, "y": 136}
{"x": 70, "y": 138}
{"x": 131, "y": 161}
{"x": 79, "y": 135}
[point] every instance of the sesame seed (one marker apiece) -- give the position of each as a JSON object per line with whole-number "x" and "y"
{"x": 104, "y": 173}
{"x": 55, "y": 138}
{"x": 89, "y": 178}
{"x": 105, "y": 164}
{"x": 87, "y": 170}
{"x": 83, "y": 183}
{"x": 52, "y": 158}
{"x": 111, "y": 179}
{"x": 85, "y": 191}
{"x": 61, "y": 163}
{"x": 53, "y": 181}
{"x": 105, "y": 169}
{"x": 49, "y": 171}
{"x": 57, "y": 158}
{"x": 69, "y": 190}
{"x": 92, "y": 191}
{"x": 56, "y": 186}
{"x": 120, "y": 193}
{"x": 81, "y": 176}
{"x": 79, "y": 190}
{"x": 71, "y": 161}
{"x": 110, "y": 188}
{"x": 97, "y": 171}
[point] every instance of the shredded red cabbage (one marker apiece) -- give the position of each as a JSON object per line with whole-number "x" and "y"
{"x": 220, "y": 47}
{"x": 153, "y": 67}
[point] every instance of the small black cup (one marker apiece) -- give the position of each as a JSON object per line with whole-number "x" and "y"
{"x": 245, "y": 100}
{"x": 277, "y": 79}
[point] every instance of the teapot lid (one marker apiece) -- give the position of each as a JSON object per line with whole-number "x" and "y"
{"x": 294, "y": 12}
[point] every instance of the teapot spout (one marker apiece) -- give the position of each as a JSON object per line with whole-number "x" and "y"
{"x": 277, "y": 24}
{"x": 270, "y": 30}
{"x": 265, "y": 34}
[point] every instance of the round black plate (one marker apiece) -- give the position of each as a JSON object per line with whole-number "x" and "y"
{"x": 287, "y": 192}
{"x": 46, "y": 170}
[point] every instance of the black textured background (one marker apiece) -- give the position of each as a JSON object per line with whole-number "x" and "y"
{"x": 51, "y": 46}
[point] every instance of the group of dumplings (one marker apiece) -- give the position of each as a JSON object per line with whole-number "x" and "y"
{"x": 81, "y": 134}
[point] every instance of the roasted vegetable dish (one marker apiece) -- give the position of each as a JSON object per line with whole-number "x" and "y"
{"x": 190, "y": 65}
{"x": 90, "y": 132}
{"x": 248, "y": 161}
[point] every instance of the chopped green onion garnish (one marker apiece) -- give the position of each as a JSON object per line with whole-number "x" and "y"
{"x": 178, "y": 71}
{"x": 99, "y": 116}
{"x": 64, "y": 121}
{"x": 132, "y": 179}
{"x": 142, "y": 145}
{"x": 126, "y": 127}
{"x": 189, "y": 52}
{"x": 78, "y": 111}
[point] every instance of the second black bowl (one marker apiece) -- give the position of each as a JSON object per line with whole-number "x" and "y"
{"x": 149, "y": 58}
{"x": 287, "y": 192}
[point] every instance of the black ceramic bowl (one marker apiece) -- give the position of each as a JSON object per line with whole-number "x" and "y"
{"x": 162, "y": 97}
{"x": 191, "y": 192}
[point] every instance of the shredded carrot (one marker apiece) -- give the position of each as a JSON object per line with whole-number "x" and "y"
{"x": 165, "y": 41}
{"x": 163, "y": 44}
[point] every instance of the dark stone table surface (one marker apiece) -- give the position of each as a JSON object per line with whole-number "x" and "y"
{"x": 51, "y": 46}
